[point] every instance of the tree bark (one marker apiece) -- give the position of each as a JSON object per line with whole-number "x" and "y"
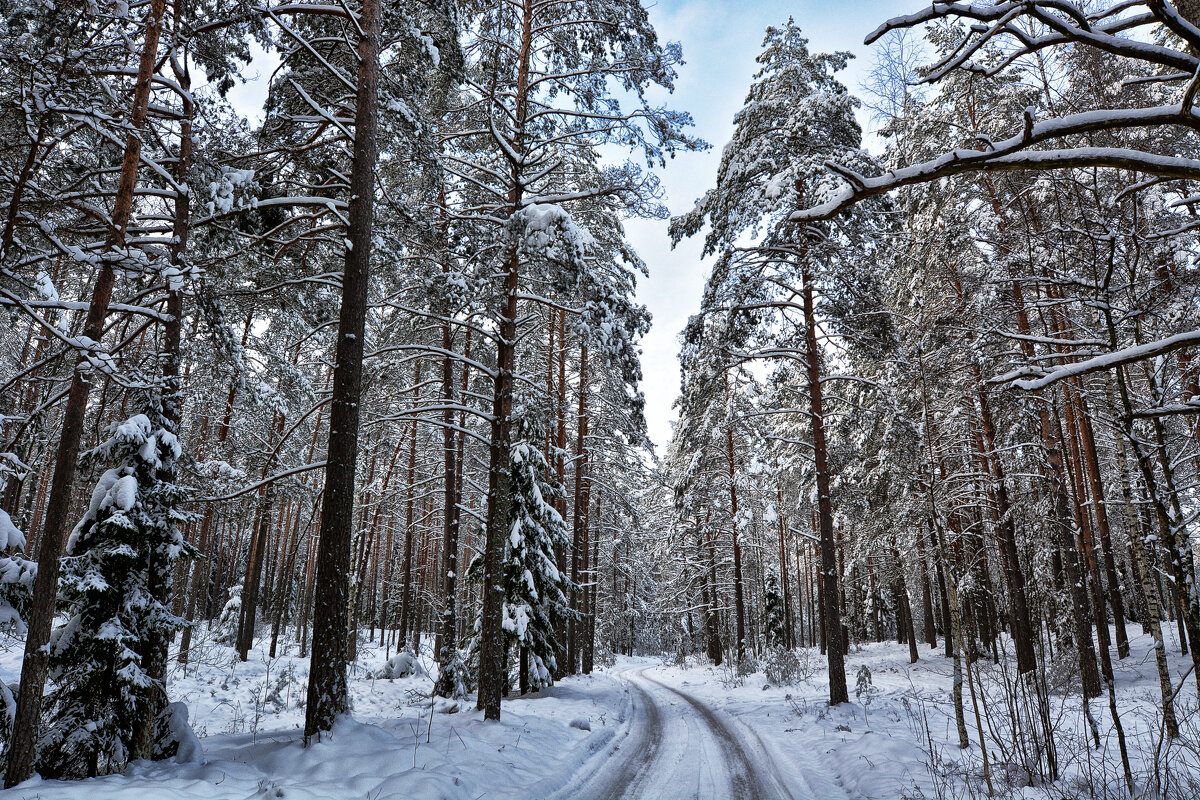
{"x": 582, "y": 499}
{"x": 450, "y": 517}
{"x": 1014, "y": 575}
{"x": 493, "y": 649}
{"x": 154, "y": 653}
{"x": 1099, "y": 509}
{"x": 835, "y": 642}
{"x": 406, "y": 598}
{"x": 327, "y": 691}
{"x": 712, "y": 624}
{"x": 739, "y": 602}
{"x": 22, "y": 745}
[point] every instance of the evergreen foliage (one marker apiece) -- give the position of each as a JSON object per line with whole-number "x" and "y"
{"x": 97, "y": 667}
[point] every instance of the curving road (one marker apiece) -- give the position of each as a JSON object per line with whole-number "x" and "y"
{"x": 674, "y": 747}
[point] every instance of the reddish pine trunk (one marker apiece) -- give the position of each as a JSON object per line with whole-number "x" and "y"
{"x": 45, "y": 588}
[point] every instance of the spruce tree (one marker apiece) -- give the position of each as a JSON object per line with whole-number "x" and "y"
{"x": 16, "y": 581}
{"x": 774, "y": 623}
{"x": 100, "y": 683}
{"x": 535, "y": 590}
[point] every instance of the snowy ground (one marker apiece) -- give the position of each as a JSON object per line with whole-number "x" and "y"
{"x": 640, "y": 728}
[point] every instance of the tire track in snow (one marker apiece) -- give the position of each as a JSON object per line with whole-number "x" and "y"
{"x": 634, "y": 748}
{"x": 750, "y": 778}
{"x": 638, "y": 767}
{"x": 677, "y": 747}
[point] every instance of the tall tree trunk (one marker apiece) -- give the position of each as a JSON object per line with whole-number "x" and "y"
{"x": 1092, "y": 462}
{"x": 253, "y": 577}
{"x": 926, "y": 595}
{"x": 739, "y": 602}
{"x": 835, "y": 643}
{"x": 493, "y": 648}
{"x": 904, "y": 609}
{"x": 406, "y": 597}
{"x": 785, "y": 582}
{"x": 327, "y": 692}
{"x": 1014, "y": 575}
{"x": 283, "y": 590}
{"x": 154, "y": 652}
{"x": 1086, "y": 539}
{"x": 22, "y": 744}
{"x": 560, "y": 474}
{"x": 592, "y": 551}
{"x": 450, "y": 518}
{"x": 582, "y": 497}
{"x": 712, "y": 624}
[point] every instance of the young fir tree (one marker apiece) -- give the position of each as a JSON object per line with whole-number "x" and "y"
{"x": 100, "y": 683}
{"x": 534, "y": 589}
{"x": 16, "y": 581}
{"x": 774, "y": 622}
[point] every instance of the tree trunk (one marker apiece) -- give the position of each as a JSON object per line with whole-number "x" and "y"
{"x": 450, "y": 518}
{"x": 926, "y": 596}
{"x": 712, "y": 625}
{"x": 1014, "y": 575}
{"x": 493, "y": 649}
{"x": 592, "y": 558}
{"x": 560, "y": 474}
{"x": 582, "y": 497}
{"x": 785, "y": 582}
{"x": 327, "y": 692}
{"x": 739, "y": 602}
{"x": 45, "y": 586}
{"x": 904, "y": 622}
{"x": 154, "y": 653}
{"x": 493, "y": 669}
{"x": 253, "y": 577}
{"x": 406, "y": 599}
{"x": 285, "y": 580}
{"x": 834, "y": 641}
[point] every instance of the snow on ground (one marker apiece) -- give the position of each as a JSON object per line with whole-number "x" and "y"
{"x": 250, "y": 716}
{"x": 895, "y": 739}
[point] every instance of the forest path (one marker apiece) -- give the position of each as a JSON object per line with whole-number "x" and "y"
{"x": 675, "y": 747}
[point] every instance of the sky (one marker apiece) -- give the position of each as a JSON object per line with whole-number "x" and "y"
{"x": 721, "y": 39}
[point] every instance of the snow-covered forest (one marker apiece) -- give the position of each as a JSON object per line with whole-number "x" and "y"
{"x": 324, "y": 462}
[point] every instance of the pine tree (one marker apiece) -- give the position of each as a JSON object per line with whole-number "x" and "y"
{"x": 797, "y": 116}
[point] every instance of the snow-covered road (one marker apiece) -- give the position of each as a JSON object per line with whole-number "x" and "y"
{"x": 674, "y": 747}
{"x": 642, "y": 728}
